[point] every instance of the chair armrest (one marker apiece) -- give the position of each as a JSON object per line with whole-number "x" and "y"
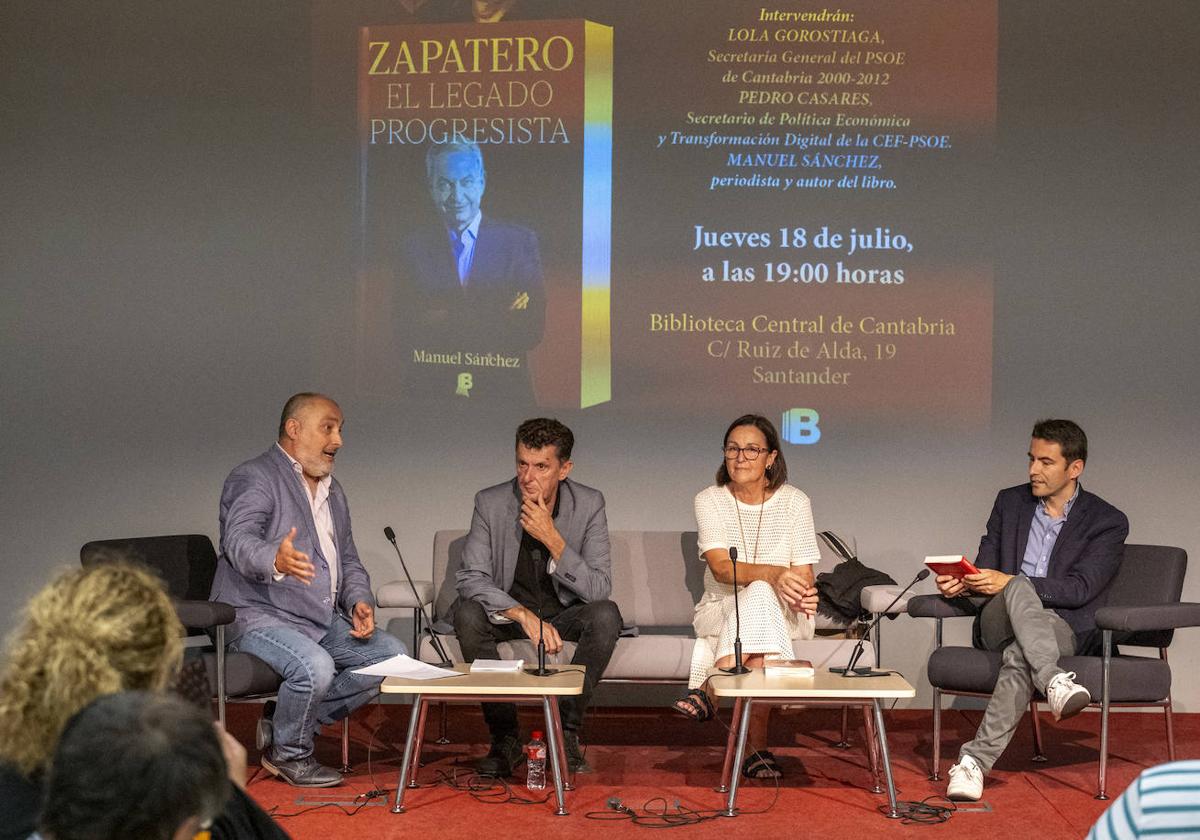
{"x": 1158, "y": 617}
{"x": 877, "y": 597}
{"x": 935, "y": 606}
{"x": 204, "y": 613}
{"x": 397, "y": 594}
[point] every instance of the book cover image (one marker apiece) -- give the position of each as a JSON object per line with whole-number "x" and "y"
{"x": 485, "y": 151}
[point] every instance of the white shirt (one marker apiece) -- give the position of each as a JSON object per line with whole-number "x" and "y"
{"x": 322, "y": 518}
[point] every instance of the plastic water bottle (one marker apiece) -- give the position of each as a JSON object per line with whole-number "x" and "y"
{"x": 535, "y": 763}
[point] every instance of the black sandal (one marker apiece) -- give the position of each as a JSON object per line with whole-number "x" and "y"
{"x": 695, "y": 705}
{"x": 761, "y": 764}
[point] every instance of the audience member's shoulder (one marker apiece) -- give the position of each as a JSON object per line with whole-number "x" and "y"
{"x": 20, "y": 802}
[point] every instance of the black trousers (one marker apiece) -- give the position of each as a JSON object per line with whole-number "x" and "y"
{"x": 593, "y": 626}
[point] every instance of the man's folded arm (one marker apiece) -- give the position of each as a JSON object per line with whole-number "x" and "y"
{"x": 475, "y": 581}
{"x": 588, "y": 572}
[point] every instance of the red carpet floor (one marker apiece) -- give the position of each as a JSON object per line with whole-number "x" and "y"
{"x": 651, "y": 759}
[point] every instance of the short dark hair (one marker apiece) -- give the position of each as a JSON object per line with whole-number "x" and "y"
{"x": 546, "y": 431}
{"x": 777, "y": 474}
{"x": 295, "y": 404}
{"x": 135, "y": 764}
{"x": 1067, "y": 434}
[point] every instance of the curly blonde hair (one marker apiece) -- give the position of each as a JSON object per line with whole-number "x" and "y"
{"x": 89, "y": 632}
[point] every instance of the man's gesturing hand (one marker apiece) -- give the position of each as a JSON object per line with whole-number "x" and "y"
{"x": 364, "y": 621}
{"x": 289, "y": 561}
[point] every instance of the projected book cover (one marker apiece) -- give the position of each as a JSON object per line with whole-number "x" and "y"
{"x": 485, "y": 164}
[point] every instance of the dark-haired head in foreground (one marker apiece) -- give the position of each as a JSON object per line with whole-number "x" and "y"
{"x": 135, "y": 764}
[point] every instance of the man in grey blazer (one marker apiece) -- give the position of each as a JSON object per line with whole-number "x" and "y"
{"x": 538, "y": 544}
{"x": 304, "y": 606}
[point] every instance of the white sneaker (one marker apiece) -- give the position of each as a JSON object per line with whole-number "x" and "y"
{"x": 1066, "y": 698}
{"x": 966, "y": 780}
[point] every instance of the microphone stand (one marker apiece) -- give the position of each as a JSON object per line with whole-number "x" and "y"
{"x": 867, "y": 671}
{"x": 738, "y": 666}
{"x": 541, "y": 670}
{"x": 433, "y": 636}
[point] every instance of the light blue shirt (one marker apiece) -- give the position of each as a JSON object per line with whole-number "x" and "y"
{"x": 465, "y": 256}
{"x": 1163, "y": 802}
{"x": 1043, "y": 534}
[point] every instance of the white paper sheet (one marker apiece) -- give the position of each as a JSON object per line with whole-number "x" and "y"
{"x": 405, "y": 666}
{"x": 497, "y": 665}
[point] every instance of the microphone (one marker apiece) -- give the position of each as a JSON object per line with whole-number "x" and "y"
{"x": 541, "y": 670}
{"x": 433, "y": 636}
{"x": 738, "y": 666}
{"x": 856, "y": 654}
{"x": 615, "y": 804}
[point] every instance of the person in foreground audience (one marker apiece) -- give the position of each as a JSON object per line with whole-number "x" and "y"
{"x": 538, "y": 544}
{"x": 92, "y": 632}
{"x": 1163, "y": 802}
{"x": 770, "y": 522}
{"x": 1050, "y": 550}
{"x": 135, "y": 764}
{"x": 304, "y": 605}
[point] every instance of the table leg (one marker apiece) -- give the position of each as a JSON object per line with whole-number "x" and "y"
{"x": 872, "y": 743}
{"x": 893, "y": 812}
{"x": 556, "y": 748}
{"x": 740, "y": 753}
{"x": 410, "y": 745}
{"x": 420, "y": 742}
{"x": 730, "y": 744}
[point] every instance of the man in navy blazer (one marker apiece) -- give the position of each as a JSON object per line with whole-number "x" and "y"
{"x": 472, "y": 292}
{"x": 538, "y": 545}
{"x": 304, "y": 606}
{"x": 1050, "y": 551}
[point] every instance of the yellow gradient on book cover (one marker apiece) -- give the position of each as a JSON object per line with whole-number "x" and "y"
{"x": 595, "y": 374}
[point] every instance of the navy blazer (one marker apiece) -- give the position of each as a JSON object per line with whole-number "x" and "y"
{"x": 261, "y": 501}
{"x": 1084, "y": 560}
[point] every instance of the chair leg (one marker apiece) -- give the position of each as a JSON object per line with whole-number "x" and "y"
{"x": 936, "y": 749}
{"x": 1104, "y": 709}
{"x": 1169, "y": 709}
{"x": 442, "y": 725}
{"x": 346, "y": 745}
{"x": 844, "y": 744}
{"x": 1039, "y": 752}
{"x": 416, "y": 648}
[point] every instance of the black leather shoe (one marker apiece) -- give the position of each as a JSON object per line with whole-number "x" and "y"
{"x": 505, "y": 754}
{"x": 576, "y": 763}
{"x": 264, "y": 730}
{"x": 302, "y": 772}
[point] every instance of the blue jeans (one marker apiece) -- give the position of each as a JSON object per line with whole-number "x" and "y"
{"x": 319, "y": 687}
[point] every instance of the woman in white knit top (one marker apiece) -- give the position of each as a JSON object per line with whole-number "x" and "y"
{"x": 770, "y": 522}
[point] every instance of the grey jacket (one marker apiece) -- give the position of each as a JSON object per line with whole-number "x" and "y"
{"x": 583, "y": 573}
{"x": 261, "y": 501}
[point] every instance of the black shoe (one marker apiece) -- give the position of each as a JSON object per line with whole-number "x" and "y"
{"x": 264, "y": 730}
{"x": 302, "y": 772}
{"x": 576, "y": 763}
{"x": 505, "y": 754}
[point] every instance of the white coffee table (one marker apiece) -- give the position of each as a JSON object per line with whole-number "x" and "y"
{"x": 489, "y": 687}
{"x": 822, "y": 688}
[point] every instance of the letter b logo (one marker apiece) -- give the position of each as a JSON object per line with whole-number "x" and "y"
{"x": 800, "y": 426}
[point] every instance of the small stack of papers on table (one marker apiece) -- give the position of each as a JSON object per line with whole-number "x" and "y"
{"x": 497, "y": 665}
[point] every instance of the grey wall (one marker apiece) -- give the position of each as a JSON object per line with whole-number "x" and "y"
{"x": 174, "y": 253}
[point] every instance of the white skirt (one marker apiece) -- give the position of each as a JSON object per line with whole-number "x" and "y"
{"x": 768, "y": 627}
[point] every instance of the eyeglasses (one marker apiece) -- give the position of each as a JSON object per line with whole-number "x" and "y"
{"x": 751, "y": 452}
